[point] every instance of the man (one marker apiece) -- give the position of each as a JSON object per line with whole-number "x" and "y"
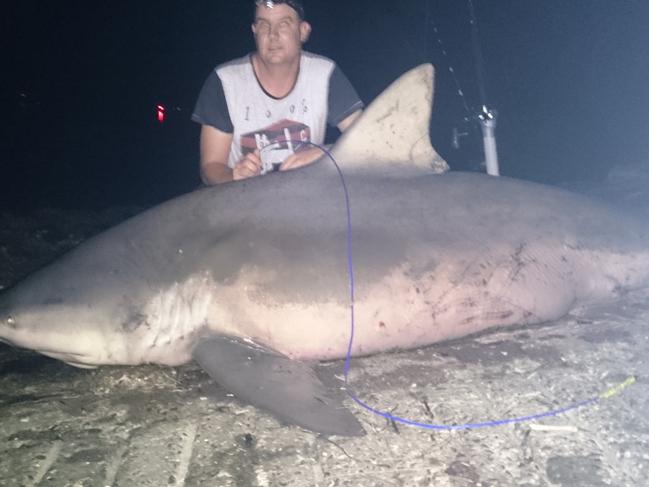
{"x": 259, "y": 113}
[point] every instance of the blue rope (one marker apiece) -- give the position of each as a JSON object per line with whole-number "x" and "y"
{"x": 439, "y": 427}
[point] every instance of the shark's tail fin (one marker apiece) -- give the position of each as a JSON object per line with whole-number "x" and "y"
{"x": 392, "y": 132}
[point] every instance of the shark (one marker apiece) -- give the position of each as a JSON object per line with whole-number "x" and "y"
{"x": 250, "y": 279}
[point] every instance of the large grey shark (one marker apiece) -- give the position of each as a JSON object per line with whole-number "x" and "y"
{"x": 250, "y": 278}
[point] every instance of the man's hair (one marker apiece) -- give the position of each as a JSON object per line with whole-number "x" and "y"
{"x": 294, "y": 4}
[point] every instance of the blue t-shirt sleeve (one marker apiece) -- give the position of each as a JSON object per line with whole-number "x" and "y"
{"x": 343, "y": 99}
{"x": 211, "y": 107}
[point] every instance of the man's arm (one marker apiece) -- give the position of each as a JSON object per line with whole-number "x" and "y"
{"x": 215, "y": 152}
{"x": 346, "y": 122}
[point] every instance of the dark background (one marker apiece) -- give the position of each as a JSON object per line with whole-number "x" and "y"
{"x": 81, "y": 80}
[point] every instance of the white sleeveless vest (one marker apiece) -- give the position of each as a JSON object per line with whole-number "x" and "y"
{"x": 277, "y": 127}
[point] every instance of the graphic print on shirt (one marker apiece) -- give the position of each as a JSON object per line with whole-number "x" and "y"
{"x": 276, "y": 142}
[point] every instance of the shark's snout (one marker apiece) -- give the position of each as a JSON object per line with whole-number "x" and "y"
{"x": 61, "y": 331}
{"x": 20, "y": 328}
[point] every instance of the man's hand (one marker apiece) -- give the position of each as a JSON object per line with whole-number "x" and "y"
{"x": 301, "y": 158}
{"x": 248, "y": 166}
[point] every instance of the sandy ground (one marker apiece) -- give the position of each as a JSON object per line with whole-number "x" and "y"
{"x": 156, "y": 426}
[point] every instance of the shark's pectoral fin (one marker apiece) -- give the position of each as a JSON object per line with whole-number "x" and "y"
{"x": 289, "y": 389}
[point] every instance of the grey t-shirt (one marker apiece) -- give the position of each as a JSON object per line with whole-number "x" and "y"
{"x": 233, "y": 101}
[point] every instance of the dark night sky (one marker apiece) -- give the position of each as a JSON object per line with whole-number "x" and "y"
{"x": 81, "y": 81}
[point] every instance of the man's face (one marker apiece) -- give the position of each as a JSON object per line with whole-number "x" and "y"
{"x": 279, "y": 33}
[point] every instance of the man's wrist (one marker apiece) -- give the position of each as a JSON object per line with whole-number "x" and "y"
{"x": 216, "y": 173}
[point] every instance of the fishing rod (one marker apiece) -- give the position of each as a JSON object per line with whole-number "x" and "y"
{"x": 486, "y": 116}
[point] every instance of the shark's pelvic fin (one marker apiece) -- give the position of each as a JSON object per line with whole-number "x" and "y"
{"x": 392, "y": 132}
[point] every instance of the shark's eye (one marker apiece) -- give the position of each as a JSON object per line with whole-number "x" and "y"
{"x": 11, "y": 322}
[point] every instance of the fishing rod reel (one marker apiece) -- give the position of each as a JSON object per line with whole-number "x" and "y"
{"x": 487, "y": 115}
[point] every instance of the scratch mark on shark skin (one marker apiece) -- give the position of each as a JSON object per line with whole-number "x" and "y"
{"x": 389, "y": 113}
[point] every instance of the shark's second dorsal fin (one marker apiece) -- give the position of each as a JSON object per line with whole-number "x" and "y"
{"x": 392, "y": 132}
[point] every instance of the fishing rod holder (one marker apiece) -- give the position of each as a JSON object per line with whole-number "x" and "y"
{"x": 487, "y": 118}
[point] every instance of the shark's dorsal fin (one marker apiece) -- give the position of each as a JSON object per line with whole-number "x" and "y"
{"x": 392, "y": 132}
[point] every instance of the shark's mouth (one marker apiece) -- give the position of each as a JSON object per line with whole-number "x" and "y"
{"x": 72, "y": 358}
{"x": 80, "y": 365}
{"x": 67, "y": 357}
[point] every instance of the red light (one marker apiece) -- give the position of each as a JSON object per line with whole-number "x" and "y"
{"x": 161, "y": 113}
